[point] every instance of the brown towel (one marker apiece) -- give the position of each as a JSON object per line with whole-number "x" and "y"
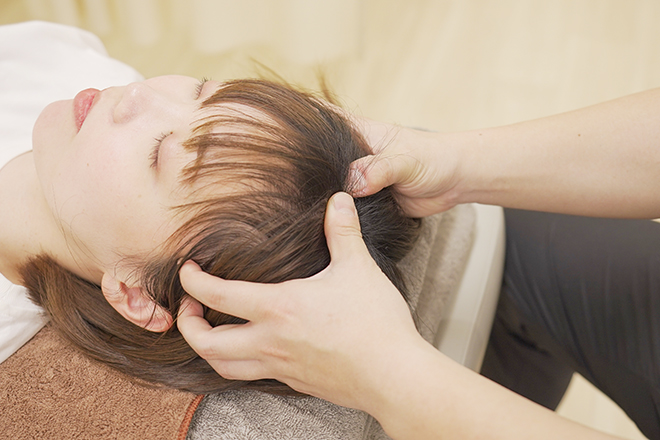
{"x": 48, "y": 390}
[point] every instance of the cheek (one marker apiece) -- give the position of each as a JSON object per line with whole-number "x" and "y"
{"x": 88, "y": 184}
{"x": 104, "y": 214}
{"x": 103, "y": 163}
{"x": 109, "y": 193}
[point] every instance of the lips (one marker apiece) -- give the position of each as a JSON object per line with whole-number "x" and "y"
{"x": 82, "y": 104}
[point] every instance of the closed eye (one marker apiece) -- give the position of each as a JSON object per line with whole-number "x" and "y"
{"x": 158, "y": 141}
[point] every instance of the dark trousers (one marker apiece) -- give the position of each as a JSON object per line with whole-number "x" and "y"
{"x": 580, "y": 294}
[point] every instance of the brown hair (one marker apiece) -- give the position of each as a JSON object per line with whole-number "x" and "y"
{"x": 266, "y": 166}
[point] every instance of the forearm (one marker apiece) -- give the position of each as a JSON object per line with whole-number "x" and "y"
{"x": 603, "y": 160}
{"x": 439, "y": 399}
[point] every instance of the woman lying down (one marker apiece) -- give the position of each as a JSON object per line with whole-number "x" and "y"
{"x": 125, "y": 184}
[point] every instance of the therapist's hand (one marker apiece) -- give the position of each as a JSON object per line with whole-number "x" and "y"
{"x": 331, "y": 335}
{"x": 423, "y": 167}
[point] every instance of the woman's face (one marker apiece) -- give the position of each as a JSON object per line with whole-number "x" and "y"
{"x": 109, "y": 163}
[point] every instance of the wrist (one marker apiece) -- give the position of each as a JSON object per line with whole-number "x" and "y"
{"x": 463, "y": 153}
{"x": 481, "y": 166}
{"x": 393, "y": 397}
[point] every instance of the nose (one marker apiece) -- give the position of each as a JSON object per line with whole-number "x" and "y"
{"x": 130, "y": 103}
{"x": 136, "y": 99}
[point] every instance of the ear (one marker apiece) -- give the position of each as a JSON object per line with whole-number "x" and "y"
{"x": 134, "y": 305}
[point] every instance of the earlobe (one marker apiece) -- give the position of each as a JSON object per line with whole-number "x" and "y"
{"x": 134, "y": 305}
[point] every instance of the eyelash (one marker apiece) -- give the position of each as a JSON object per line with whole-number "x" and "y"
{"x": 153, "y": 157}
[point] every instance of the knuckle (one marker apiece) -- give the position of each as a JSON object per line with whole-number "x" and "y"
{"x": 349, "y": 230}
{"x": 207, "y": 350}
{"x": 274, "y": 351}
{"x": 225, "y": 370}
{"x": 284, "y": 310}
{"x": 387, "y": 166}
{"x": 204, "y": 351}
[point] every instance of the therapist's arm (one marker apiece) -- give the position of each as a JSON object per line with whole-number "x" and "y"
{"x": 602, "y": 160}
{"x": 347, "y": 336}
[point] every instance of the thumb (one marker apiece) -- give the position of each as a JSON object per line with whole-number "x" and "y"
{"x": 342, "y": 228}
{"x": 370, "y": 174}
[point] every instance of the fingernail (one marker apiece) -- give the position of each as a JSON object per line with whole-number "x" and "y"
{"x": 356, "y": 181}
{"x": 344, "y": 203}
{"x": 190, "y": 264}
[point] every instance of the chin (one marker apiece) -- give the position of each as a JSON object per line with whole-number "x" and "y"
{"x": 54, "y": 126}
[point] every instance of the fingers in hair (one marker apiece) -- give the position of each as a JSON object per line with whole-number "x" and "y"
{"x": 237, "y": 298}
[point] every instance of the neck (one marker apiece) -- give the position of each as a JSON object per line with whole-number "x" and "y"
{"x": 28, "y": 226}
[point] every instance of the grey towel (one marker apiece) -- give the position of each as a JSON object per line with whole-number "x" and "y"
{"x": 433, "y": 270}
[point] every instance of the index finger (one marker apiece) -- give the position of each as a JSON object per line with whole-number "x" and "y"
{"x": 228, "y": 342}
{"x": 237, "y": 298}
